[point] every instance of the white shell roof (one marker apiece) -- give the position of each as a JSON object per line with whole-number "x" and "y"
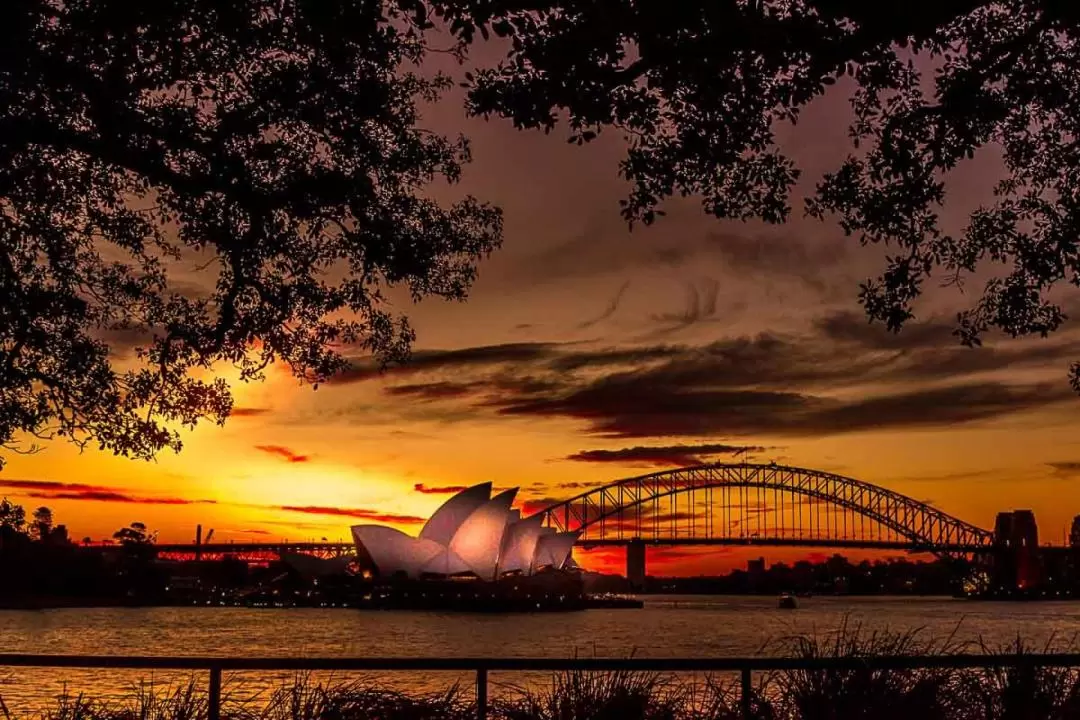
{"x": 445, "y": 521}
{"x": 392, "y": 550}
{"x": 519, "y": 544}
{"x": 555, "y": 549}
{"x": 478, "y": 539}
{"x": 446, "y": 563}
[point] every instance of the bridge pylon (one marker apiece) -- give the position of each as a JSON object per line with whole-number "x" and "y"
{"x": 635, "y": 564}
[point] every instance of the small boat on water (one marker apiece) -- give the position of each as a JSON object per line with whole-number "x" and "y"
{"x": 787, "y": 602}
{"x": 611, "y": 601}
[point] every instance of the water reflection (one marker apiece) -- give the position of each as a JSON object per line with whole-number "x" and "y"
{"x": 668, "y": 626}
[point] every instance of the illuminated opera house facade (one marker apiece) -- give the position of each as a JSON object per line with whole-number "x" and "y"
{"x": 473, "y": 535}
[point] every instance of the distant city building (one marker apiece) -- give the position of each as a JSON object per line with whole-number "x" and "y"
{"x": 1017, "y": 529}
{"x": 471, "y": 534}
{"x": 755, "y": 567}
{"x": 1074, "y": 532}
{"x": 1017, "y": 560}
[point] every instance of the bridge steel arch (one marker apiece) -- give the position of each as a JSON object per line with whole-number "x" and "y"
{"x": 619, "y": 512}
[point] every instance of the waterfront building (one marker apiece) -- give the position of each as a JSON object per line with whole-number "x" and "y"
{"x": 473, "y": 534}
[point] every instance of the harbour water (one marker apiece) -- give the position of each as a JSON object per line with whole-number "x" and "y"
{"x": 668, "y": 626}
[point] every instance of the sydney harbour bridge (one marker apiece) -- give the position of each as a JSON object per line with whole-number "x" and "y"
{"x": 730, "y": 504}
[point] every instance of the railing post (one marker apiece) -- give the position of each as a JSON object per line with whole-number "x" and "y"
{"x": 213, "y": 709}
{"x": 746, "y": 693}
{"x": 481, "y": 693}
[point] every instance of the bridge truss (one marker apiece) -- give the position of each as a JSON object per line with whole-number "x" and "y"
{"x": 251, "y": 552}
{"x": 765, "y": 504}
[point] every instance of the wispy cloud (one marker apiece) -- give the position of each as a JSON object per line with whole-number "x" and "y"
{"x": 424, "y": 360}
{"x": 612, "y": 307}
{"x": 842, "y": 376}
{"x": 438, "y": 490}
{"x": 51, "y": 490}
{"x": 248, "y": 411}
{"x": 700, "y": 305}
{"x": 662, "y": 455}
{"x": 283, "y": 452}
{"x": 784, "y": 257}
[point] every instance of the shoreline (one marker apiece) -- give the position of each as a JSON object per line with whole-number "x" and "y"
{"x": 636, "y": 600}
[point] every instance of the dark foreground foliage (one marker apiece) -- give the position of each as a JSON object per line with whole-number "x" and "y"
{"x": 860, "y": 694}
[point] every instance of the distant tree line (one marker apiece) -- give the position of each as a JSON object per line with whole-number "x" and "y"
{"x": 39, "y": 563}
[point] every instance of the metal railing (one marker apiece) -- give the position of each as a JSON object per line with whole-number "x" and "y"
{"x": 745, "y": 667}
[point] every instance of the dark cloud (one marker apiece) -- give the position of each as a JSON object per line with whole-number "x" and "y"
{"x": 612, "y": 307}
{"x": 844, "y": 352}
{"x": 1066, "y": 468}
{"x": 424, "y": 360}
{"x": 433, "y": 391}
{"x": 938, "y": 407}
{"x": 48, "y": 485}
{"x": 438, "y": 490}
{"x": 283, "y": 452}
{"x": 110, "y": 496}
{"x": 765, "y": 359}
{"x": 636, "y": 407}
{"x": 848, "y": 376}
{"x": 634, "y": 356}
{"x": 254, "y": 531}
{"x": 549, "y": 356}
{"x": 50, "y": 490}
{"x": 929, "y": 350}
{"x": 248, "y": 411}
{"x": 740, "y": 388}
{"x": 632, "y": 407}
{"x": 359, "y": 513}
{"x": 663, "y": 455}
{"x": 852, "y": 327}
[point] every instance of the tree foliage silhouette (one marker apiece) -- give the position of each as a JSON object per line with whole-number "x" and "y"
{"x": 12, "y": 517}
{"x": 277, "y": 145}
{"x": 135, "y": 534}
{"x": 697, "y": 88}
{"x": 42, "y": 526}
{"x": 274, "y": 145}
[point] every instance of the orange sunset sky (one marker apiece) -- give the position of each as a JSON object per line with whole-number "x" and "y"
{"x": 581, "y": 335}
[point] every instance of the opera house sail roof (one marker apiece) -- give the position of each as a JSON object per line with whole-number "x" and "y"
{"x": 472, "y": 533}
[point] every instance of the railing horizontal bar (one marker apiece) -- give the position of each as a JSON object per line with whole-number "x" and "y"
{"x": 549, "y": 664}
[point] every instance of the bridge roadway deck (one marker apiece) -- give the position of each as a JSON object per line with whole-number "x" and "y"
{"x": 789, "y": 542}
{"x": 212, "y": 549}
{"x": 244, "y": 548}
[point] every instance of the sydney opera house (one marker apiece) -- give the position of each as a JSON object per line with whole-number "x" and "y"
{"x": 472, "y": 536}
